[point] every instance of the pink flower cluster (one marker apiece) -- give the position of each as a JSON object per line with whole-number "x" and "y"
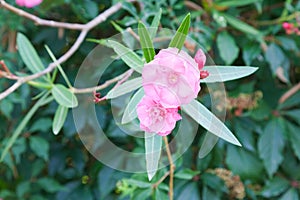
{"x": 290, "y": 28}
{"x": 170, "y": 80}
{"x": 28, "y": 3}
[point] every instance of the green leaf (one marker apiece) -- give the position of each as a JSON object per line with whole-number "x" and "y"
{"x": 124, "y": 88}
{"x": 250, "y": 52}
{"x": 186, "y": 174}
{"x": 29, "y": 54}
{"x": 41, "y": 125}
{"x": 210, "y": 194}
{"x": 153, "y": 144}
{"x": 127, "y": 55}
{"x": 227, "y": 73}
{"x": 42, "y": 101}
{"x": 292, "y": 101}
{"x": 288, "y": 43}
{"x": 39, "y": 146}
{"x": 143, "y": 194}
{"x": 59, "y": 119}
{"x": 137, "y": 183}
{"x": 213, "y": 181}
{"x": 155, "y": 24}
{"x": 210, "y": 140}
{"x": 209, "y": 121}
{"x": 275, "y": 187}
{"x": 6, "y": 107}
{"x": 294, "y": 137}
{"x": 291, "y": 194}
{"x": 58, "y": 66}
{"x": 190, "y": 192}
{"x": 181, "y": 33}
{"x": 64, "y": 96}
{"x": 236, "y": 3}
{"x": 50, "y": 185}
{"x": 146, "y": 43}
{"x": 228, "y": 49}
{"x": 130, "y": 110}
{"x": 275, "y": 56}
{"x": 160, "y": 195}
{"x": 130, "y": 8}
{"x": 23, "y": 188}
{"x": 270, "y": 146}
{"x": 293, "y": 114}
{"x": 244, "y": 163}
{"x": 242, "y": 26}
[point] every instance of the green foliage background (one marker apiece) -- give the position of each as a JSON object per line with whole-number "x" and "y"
{"x": 41, "y": 165}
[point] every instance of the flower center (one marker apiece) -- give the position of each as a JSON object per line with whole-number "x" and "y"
{"x": 173, "y": 78}
{"x": 157, "y": 114}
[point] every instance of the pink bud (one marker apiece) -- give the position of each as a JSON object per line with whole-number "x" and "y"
{"x": 200, "y": 58}
{"x": 289, "y": 31}
{"x": 286, "y": 25}
{"x": 204, "y": 74}
{"x": 28, "y": 3}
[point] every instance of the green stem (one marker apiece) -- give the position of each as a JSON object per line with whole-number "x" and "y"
{"x": 42, "y": 101}
{"x": 278, "y": 20}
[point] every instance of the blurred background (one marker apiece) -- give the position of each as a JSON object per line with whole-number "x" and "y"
{"x": 263, "y": 110}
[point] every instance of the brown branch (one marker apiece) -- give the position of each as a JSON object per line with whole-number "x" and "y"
{"x": 192, "y": 5}
{"x": 38, "y": 21}
{"x": 5, "y": 68}
{"x": 107, "y": 83}
{"x": 85, "y": 28}
{"x": 155, "y": 185}
{"x": 289, "y": 93}
{"x": 172, "y": 168}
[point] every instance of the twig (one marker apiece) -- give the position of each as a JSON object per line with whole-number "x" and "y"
{"x": 41, "y": 22}
{"x": 104, "y": 85}
{"x": 85, "y": 28}
{"x": 289, "y": 93}
{"x": 2, "y": 63}
{"x": 172, "y": 167}
{"x": 192, "y": 5}
{"x": 129, "y": 29}
{"x": 155, "y": 185}
{"x": 14, "y": 168}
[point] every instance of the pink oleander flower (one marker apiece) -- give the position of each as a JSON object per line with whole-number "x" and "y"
{"x": 28, "y": 3}
{"x": 154, "y": 118}
{"x": 172, "y": 78}
{"x": 200, "y": 59}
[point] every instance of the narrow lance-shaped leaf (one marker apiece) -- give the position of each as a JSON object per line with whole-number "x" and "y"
{"x": 42, "y": 101}
{"x": 130, "y": 110}
{"x": 64, "y": 96}
{"x": 155, "y": 24}
{"x": 209, "y": 121}
{"x": 29, "y": 54}
{"x": 153, "y": 143}
{"x": 242, "y": 26}
{"x": 59, "y": 119}
{"x": 236, "y": 3}
{"x": 58, "y": 66}
{"x": 210, "y": 140}
{"x": 127, "y": 55}
{"x": 125, "y": 88}
{"x": 181, "y": 33}
{"x": 146, "y": 42}
{"x": 227, "y": 73}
